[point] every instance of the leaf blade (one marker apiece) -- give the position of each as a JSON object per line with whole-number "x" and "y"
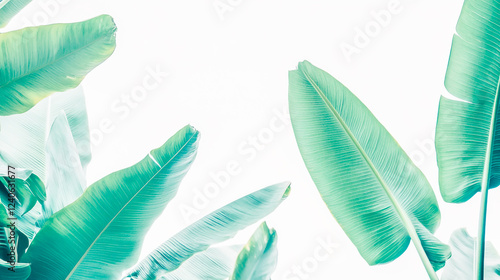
{"x": 39, "y": 61}
{"x": 355, "y": 164}
{"x": 107, "y": 223}
{"x": 216, "y": 227}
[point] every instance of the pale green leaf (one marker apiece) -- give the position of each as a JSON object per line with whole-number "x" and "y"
{"x": 467, "y": 144}
{"x": 9, "y": 8}
{"x": 372, "y": 188}
{"x": 39, "y": 61}
{"x": 461, "y": 264}
{"x": 23, "y": 137}
{"x": 467, "y": 139}
{"x": 259, "y": 257}
{"x": 215, "y": 263}
{"x": 66, "y": 179}
{"x": 216, "y": 227}
{"x": 100, "y": 234}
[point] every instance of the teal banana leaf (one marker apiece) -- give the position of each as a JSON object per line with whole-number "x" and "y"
{"x": 372, "y": 188}
{"x": 258, "y": 259}
{"x": 28, "y": 189}
{"x": 461, "y": 264}
{"x": 216, "y": 227}
{"x": 66, "y": 179}
{"x": 21, "y": 271}
{"x": 215, "y": 263}
{"x": 9, "y": 8}
{"x": 4, "y": 216}
{"x": 106, "y": 225}
{"x": 39, "y": 61}
{"x": 21, "y": 242}
{"x": 23, "y": 137}
{"x": 467, "y": 145}
{"x": 25, "y": 212}
{"x": 32, "y": 181}
{"x": 467, "y": 140}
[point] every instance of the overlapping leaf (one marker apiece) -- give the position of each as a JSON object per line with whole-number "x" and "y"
{"x": 215, "y": 263}
{"x": 258, "y": 259}
{"x": 66, "y": 179}
{"x": 100, "y": 234}
{"x": 9, "y": 8}
{"x": 216, "y": 227}
{"x": 38, "y": 61}
{"x": 23, "y": 137}
{"x": 461, "y": 264}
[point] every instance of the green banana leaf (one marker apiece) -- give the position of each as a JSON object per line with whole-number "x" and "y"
{"x": 39, "y": 61}
{"x": 105, "y": 227}
{"x": 461, "y": 264}
{"x": 216, "y": 227}
{"x": 468, "y": 150}
{"x": 23, "y": 177}
{"x": 25, "y": 213}
{"x": 66, "y": 179}
{"x": 4, "y": 216}
{"x": 215, "y": 263}
{"x": 372, "y": 188}
{"x": 23, "y": 137}
{"x": 258, "y": 259}
{"x": 28, "y": 190}
{"x": 9, "y": 8}
{"x": 21, "y": 241}
{"x": 467, "y": 142}
{"x": 29, "y": 179}
{"x": 21, "y": 270}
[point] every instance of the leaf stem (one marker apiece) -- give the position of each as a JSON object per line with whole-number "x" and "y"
{"x": 479, "y": 258}
{"x": 485, "y": 184}
{"x": 425, "y": 260}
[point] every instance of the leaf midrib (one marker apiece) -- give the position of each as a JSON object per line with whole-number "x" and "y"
{"x": 3, "y": 3}
{"x": 128, "y": 202}
{"x": 55, "y": 61}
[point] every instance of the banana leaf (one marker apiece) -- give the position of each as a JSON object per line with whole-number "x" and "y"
{"x": 372, "y": 188}
{"x": 100, "y": 235}
{"x": 39, "y": 61}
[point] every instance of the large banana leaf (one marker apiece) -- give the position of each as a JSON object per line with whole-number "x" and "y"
{"x": 38, "y": 61}
{"x": 100, "y": 234}
{"x": 9, "y": 8}
{"x": 66, "y": 179}
{"x": 467, "y": 140}
{"x": 461, "y": 264}
{"x": 216, "y": 227}
{"x": 215, "y": 263}
{"x": 258, "y": 259}
{"x": 23, "y": 136}
{"x": 378, "y": 196}
{"x": 467, "y": 145}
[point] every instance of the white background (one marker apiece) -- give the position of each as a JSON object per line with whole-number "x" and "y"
{"x": 228, "y": 78}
